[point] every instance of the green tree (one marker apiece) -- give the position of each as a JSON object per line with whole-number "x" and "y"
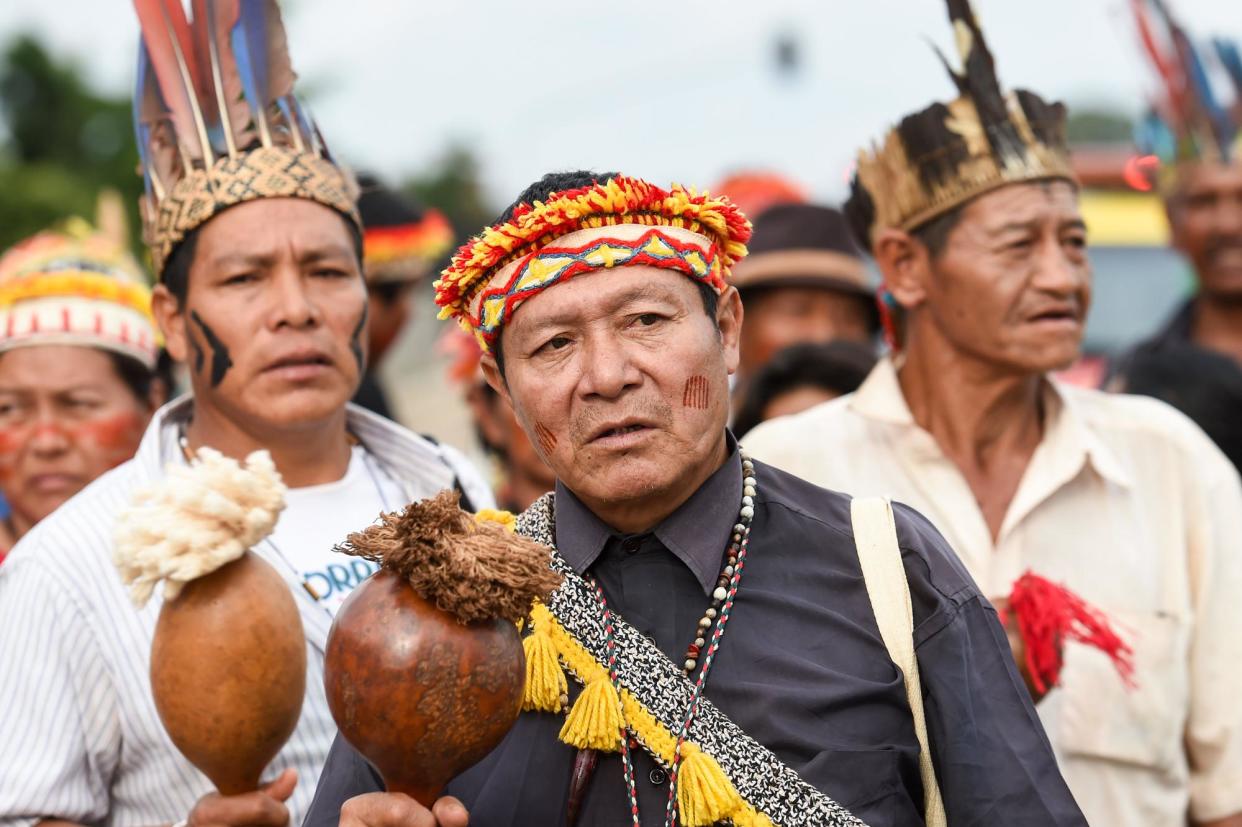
{"x": 63, "y": 143}
{"x": 453, "y": 186}
{"x": 1098, "y": 126}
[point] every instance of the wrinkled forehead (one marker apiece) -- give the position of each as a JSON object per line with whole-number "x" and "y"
{"x": 272, "y": 228}
{"x": 1050, "y": 202}
{"x": 601, "y": 294}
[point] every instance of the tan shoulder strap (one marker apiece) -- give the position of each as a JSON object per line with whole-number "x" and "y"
{"x": 875, "y": 535}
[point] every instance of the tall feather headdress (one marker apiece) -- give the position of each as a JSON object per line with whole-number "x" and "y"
{"x": 941, "y": 157}
{"x": 1189, "y": 120}
{"x": 217, "y": 121}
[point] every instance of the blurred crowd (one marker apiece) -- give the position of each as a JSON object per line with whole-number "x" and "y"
{"x": 849, "y": 373}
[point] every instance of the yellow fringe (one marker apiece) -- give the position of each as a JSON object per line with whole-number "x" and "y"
{"x": 704, "y": 794}
{"x": 750, "y": 817}
{"x": 545, "y": 680}
{"x": 594, "y": 721}
{"x": 78, "y": 284}
{"x": 492, "y": 515}
{"x": 704, "y": 790}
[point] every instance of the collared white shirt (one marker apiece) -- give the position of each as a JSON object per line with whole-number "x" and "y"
{"x": 80, "y": 738}
{"x": 1130, "y": 505}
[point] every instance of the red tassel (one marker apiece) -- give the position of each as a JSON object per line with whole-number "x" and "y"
{"x": 1048, "y": 615}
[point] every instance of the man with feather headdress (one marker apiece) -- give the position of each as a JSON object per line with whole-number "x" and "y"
{"x": 255, "y": 236}
{"x": 1195, "y": 138}
{"x": 971, "y": 210}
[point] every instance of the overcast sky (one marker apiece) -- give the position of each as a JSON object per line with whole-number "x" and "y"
{"x": 683, "y": 90}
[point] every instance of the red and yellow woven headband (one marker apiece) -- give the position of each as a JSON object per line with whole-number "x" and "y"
{"x": 618, "y": 223}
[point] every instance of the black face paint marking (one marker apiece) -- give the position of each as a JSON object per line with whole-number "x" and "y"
{"x": 355, "y": 344}
{"x": 220, "y": 359}
{"x": 197, "y": 350}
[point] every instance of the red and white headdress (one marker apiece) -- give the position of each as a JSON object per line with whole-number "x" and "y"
{"x": 76, "y": 286}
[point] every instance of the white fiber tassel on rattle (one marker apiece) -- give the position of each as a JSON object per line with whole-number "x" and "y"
{"x": 199, "y": 517}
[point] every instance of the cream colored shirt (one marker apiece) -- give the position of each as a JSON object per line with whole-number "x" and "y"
{"x": 1127, "y": 503}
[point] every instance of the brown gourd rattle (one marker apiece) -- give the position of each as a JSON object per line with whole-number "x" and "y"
{"x": 424, "y": 668}
{"x": 228, "y": 661}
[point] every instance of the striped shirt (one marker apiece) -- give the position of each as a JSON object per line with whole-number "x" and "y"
{"x": 80, "y": 738}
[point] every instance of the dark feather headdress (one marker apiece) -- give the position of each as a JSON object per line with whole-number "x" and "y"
{"x": 948, "y": 153}
{"x": 217, "y": 121}
{"x": 1188, "y": 121}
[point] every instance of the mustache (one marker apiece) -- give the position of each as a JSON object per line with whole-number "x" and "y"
{"x": 588, "y": 420}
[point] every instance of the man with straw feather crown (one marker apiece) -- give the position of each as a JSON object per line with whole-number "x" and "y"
{"x": 722, "y": 649}
{"x": 1193, "y": 133}
{"x": 971, "y": 211}
{"x": 256, "y": 241}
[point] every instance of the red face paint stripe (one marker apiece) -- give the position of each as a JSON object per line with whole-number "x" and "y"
{"x": 545, "y": 438}
{"x": 695, "y": 394}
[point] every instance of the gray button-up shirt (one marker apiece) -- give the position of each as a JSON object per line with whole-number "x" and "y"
{"x": 801, "y": 668}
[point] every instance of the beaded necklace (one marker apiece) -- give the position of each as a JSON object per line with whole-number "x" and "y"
{"x": 718, "y": 613}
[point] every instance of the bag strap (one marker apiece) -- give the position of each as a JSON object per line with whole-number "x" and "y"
{"x": 875, "y": 535}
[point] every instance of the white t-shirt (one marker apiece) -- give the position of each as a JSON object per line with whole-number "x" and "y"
{"x": 318, "y": 517}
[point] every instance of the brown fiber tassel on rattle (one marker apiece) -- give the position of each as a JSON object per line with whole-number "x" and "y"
{"x": 424, "y": 667}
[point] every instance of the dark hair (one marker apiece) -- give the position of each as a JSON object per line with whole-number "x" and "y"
{"x": 859, "y": 210}
{"x": 388, "y": 291}
{"x": 555, "y": 182}
{"x": 838, "y": 366}
{"x": 572, "y": 180}
{"x": 935, "y": 233}
{"x": 176, "y": 273}
{"x": 138, "y": 378}
{"x": 1204, "y": 385}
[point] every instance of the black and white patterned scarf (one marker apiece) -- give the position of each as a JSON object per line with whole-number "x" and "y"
{"x": 662, "y": 687}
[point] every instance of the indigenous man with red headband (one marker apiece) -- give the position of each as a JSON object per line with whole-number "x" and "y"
{"x": 713, "y": 654}
{"x": 972, "y": 213}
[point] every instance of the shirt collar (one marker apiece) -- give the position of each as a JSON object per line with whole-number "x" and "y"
{"x": 880, "y": 397}
{"x": 415, "y": 463}
{"x": 1069, "y": 433}
{"x": 1068, "y": 436}
{"x": 696, "y": 533}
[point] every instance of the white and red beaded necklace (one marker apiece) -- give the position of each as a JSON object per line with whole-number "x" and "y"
{"x": 718, "y": 613}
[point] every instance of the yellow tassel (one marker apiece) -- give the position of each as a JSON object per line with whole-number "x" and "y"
{"x": 704, "y": 794}
{"x": 545, "y": 680}
{"x": 655, "y": 737}
{"x": 748, "y": 816}
{"x": 594, "y": 721}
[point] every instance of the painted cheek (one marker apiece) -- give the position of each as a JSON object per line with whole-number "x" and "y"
{"x": 545, "y": 438}
{"x": 113, "y": 438}
{"x": 11, "y": 442}
{"x": 695, "y": 394}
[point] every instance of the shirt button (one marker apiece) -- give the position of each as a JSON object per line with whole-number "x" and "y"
{"x": 657, "y": 777}
{"x": 630, "y": 545}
